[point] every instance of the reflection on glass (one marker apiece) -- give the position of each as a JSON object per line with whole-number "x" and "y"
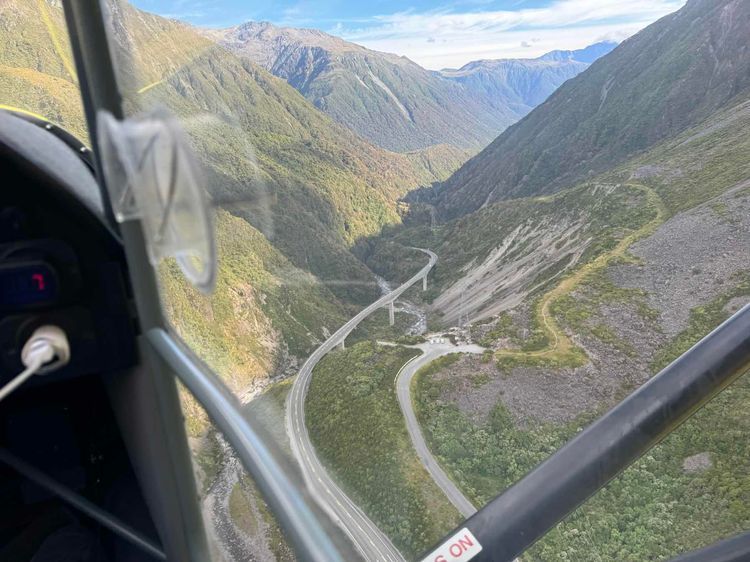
{"x": 587, "y": 204}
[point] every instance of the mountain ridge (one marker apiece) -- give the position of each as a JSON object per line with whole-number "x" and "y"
{"x": 389, "y": 99}
{"x": 292, "y": 183}
{"x": 587, "y": 55}
{"x": 656, "y": 84}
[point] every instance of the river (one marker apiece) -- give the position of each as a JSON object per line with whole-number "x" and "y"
{"x": 419, "y": 326}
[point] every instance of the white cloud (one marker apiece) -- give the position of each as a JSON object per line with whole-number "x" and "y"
{"x": 465, "y": 36}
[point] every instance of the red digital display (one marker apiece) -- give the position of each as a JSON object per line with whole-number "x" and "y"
{"x": 27, "y": 284}
{"x": 38, "y": 280}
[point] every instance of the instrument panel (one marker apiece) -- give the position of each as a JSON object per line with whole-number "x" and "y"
{"x": 60, "y": 264}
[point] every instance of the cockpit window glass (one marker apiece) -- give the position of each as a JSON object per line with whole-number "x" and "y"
{"x": 450, "y": 237}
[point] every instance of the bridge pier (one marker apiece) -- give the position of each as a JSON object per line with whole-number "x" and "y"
{"x": 392, "y": 313}
{"x": 342, "y": 345}
{"x": 424, "y": 283}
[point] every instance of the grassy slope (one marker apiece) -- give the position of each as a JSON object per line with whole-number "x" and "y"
{"x": 358, "y": 430}
{"x": 36, "y": 69}
{"x": 608, "y": 212}
{"x": 258, "y": 291}
{"x": 262, "y": 306}
{"x": 690, "y": 169}
{"x": 700, "y": 163}
{"x": 558, "y": 349}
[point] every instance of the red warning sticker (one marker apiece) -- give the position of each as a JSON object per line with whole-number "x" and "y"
{"x": 461, "y": 547}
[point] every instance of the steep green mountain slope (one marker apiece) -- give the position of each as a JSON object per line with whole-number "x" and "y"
{"x": 36, "y": 65}
{"x": 392, "y": 101}
{"x": 580, "y": 297}
{"x": 670, "y": 76}
{"x": 263, "y": 314}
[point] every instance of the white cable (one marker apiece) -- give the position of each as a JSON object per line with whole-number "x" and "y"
{"x": 20, "y": 379}
{"x": 46, "y": 350}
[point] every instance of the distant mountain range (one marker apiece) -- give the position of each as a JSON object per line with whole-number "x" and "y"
{"x": 587, "y": 55}
{"x": 515, "y": 85}
{"x": 395, "y": 103}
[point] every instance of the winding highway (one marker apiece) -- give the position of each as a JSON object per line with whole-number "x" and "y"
{"x": 364, "y": 534}
{"x": 430, "y": 352}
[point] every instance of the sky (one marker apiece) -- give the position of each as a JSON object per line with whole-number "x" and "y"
{"x": 438, "y": 34}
